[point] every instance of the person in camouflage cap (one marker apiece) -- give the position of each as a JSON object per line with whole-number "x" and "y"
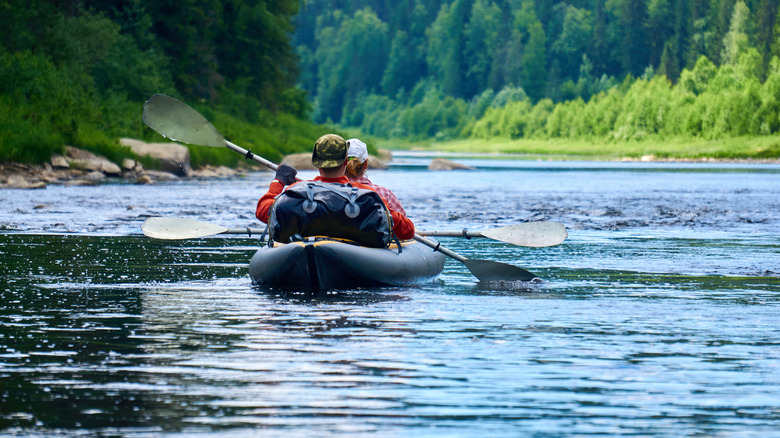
{"x": 330, "y": 151}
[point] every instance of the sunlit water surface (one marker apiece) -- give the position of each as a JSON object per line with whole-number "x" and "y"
{"x": 658, "y": 316}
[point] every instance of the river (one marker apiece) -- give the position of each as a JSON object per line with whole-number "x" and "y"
{"x": 658, "y": 316}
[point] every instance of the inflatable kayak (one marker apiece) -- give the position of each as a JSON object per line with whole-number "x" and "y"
{"x": 325, "y": 263}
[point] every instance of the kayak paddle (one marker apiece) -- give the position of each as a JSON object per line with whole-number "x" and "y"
{"x": 178, "y": 121}
{"x": 533, "y": 234}
{"x": 172, "y": 228}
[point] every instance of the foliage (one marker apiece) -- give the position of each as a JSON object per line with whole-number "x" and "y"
{"x": 614, "y": 70}
{"x": 78, "y": 72}
{"x": 708, "y": 102}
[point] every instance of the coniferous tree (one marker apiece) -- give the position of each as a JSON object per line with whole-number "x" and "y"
{"x": 669, "y": 64}
{"x": 736, "y": 40}
{"x": 533, "y": 57}
{"x": 481, "y": 34}
{"x": 446, "y": 47}
{"x": 634, "y": 47}
{"x": 598, "y": 50}
{"x": 660, "y": 25}
{"x": 774, "y": 45}
{"x": 766, "y": 15}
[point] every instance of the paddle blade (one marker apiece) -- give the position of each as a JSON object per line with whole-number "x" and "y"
{"x": 171, "y": 228}
{"x": 533, "y": 234}
{"x": 177, "y": 121}
{"x": 489, "y": 271}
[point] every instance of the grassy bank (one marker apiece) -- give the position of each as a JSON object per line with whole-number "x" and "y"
{"x": 737, "y": 148}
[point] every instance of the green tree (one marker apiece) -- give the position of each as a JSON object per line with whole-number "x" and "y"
{"x": 670, "y": 66}
{"x": 634, "y": 44}
{"x": 660, "y": 24}
{"x": 573, "y": 40}
{"x": 774, "y": 47}
{"x": 481, "y": 37}
{"x": 347, "y": 49}
{"x": 533, "y": 58}
{"x": 253, "y": 47}
{"x": 446, "y": 47}
{"x": 736, "y": 40}
{"x": 766, "y": 15}
{"x": 599, "y": 50}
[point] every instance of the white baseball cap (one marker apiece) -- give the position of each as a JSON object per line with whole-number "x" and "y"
{"x": 357, "y": 149}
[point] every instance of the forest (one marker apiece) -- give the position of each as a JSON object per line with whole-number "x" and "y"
{"x": 77, "y": 72}
{"x": 585, "y": 69}
{"x": 273, "y": 74}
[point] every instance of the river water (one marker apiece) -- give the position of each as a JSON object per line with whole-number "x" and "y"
{"x": 658, "y": 316}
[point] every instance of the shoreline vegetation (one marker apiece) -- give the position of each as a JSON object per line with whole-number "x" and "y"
{"x": 79, "y": 76}
{"x": 80, "y": 167}
{"x": 753, "y": 149}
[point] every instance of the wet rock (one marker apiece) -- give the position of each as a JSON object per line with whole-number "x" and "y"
{"x": 95, "y": 175}
{"x": 299, "y": 161}
{"x": 59, "y": 162}
{"x": 173, "y": 157}
{"x": 159, "y": 175}
{"x": 19, "y": 182}
{"x": 385, "y": 155}
{"x": 376, "y": 163}
{"x": 443, "y": 164}
{"x": 214, "y": 172}
{"x": 81, "y": 182}
{"x": 128, "y": 164}
{"x": 144, "y": 179}
{"x": 81, "y": 159}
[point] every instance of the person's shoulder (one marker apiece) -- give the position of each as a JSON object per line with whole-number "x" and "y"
{"x": 362, "y": 186}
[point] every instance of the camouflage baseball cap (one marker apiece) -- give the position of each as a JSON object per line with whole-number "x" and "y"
{"x": 330, "y": 150}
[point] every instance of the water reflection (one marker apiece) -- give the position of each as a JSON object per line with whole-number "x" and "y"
{"x": 656, "y": 317}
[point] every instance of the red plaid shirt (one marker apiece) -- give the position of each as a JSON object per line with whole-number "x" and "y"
{"x": 392, "y": 201}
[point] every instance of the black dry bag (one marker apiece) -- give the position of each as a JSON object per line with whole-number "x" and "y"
{"x": 314, "y": 208}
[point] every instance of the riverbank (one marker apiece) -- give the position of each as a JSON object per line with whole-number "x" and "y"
{"x": 87, "y": 169}
{"x": 81, "y": 167}
{"x": 752, "y": 149}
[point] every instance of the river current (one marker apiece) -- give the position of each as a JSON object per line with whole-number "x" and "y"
{"x": 658, "y": 316}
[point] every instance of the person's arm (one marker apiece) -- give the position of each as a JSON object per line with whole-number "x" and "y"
{"x": 267, "y": 201}
{"x": 391, "y": 200}
{"x": 285, "y": 175}
{"x": 402, "y": 225}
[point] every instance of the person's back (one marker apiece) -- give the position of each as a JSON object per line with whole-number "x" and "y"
{"x": 357, "y": 165}
{"x": 330, "y": 157}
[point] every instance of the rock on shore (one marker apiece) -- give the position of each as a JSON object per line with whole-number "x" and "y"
{"x": 173, "y": 157}
{"x": 442, "y": 164}
{"x": 81, "y": 167}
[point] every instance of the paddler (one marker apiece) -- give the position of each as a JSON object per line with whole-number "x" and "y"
{"x": 330, "y": 157}
{"x": 357, "y": 165}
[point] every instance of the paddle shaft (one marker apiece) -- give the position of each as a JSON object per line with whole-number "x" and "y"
{"x": 250, "y": 156}
{"x": 463, "y": 233}
{"x": 437, "y": 247}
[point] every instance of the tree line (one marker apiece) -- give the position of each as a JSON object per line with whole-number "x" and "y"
{"x": 513, "y": 68}
{"x": 77, "y": 71}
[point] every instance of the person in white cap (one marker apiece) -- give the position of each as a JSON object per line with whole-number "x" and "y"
{"x": 357, "y": 163}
